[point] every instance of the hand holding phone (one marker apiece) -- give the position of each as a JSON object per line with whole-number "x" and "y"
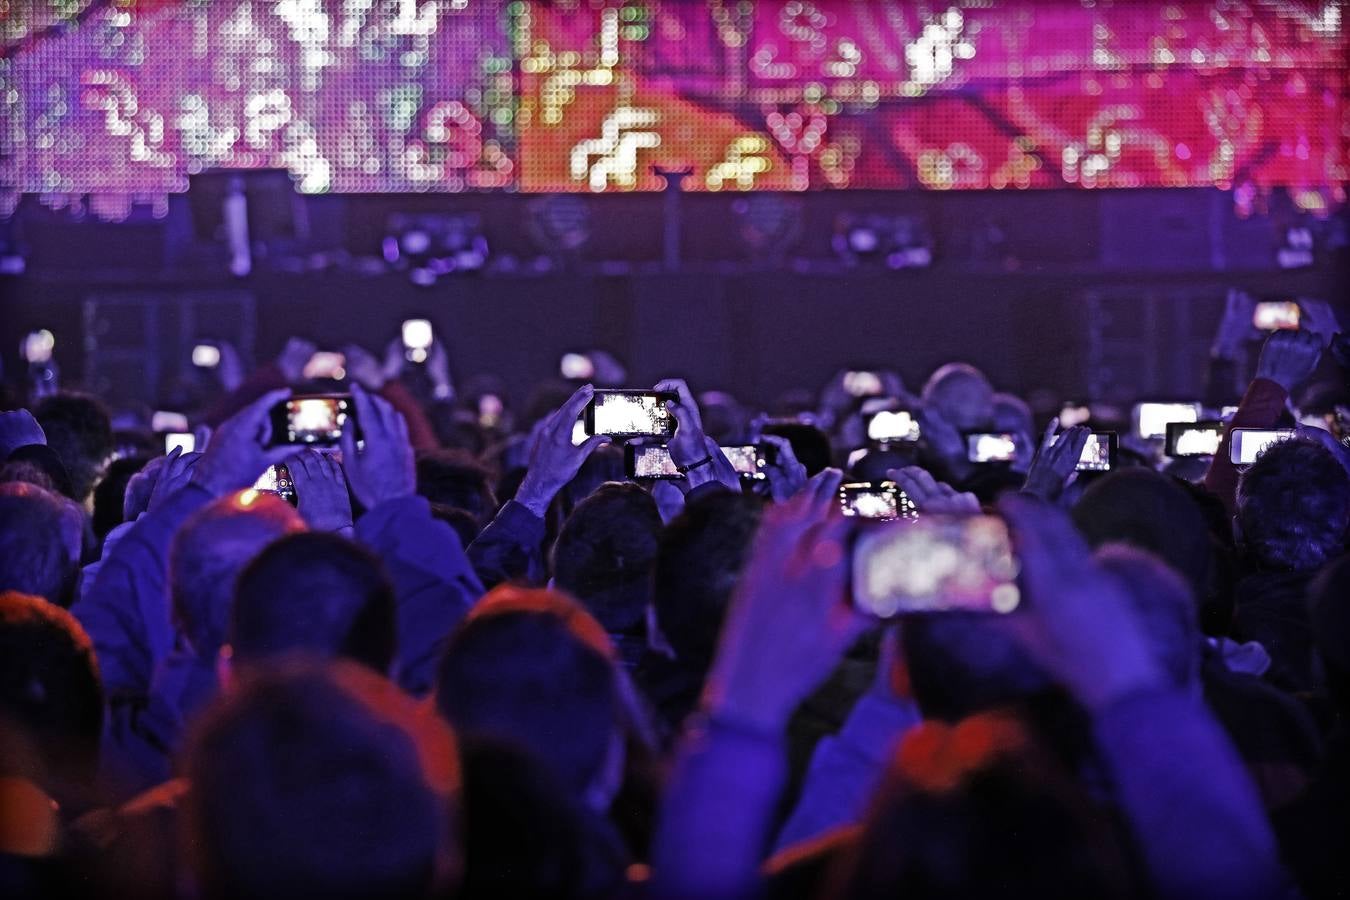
{"x": 987, "y": 447}
{"x": 317, "y": 419}
{"x": 626, "y": 413}
{"x": 1276, "y": 315}
{"x": 650, "y": 461}
{"x": 1189, "y": 439}
{"x": 875, "y": 500}
{"x": 890, "y": 425}
{"x": 1246, "y": 444}
{"x": 1099, "y": 452}
{"x": 1151, "y": 419}
{"x": 417, "y": 339}
{"x": 326, "y": 365}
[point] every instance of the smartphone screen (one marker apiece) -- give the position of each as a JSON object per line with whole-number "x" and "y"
{"x": 875, "y": 500}
{"x": 576, "y": 367}
{"x": 747, "y": 459}
{"x": 1151, "y": 419}
{"x": 892, "y": 425}
{"x": 490, "y": 409}
{"x": 1249, "y": 443}
{"x": 37, "y": 347}
{"x": 629, "y": 414}
{"x": 936, "y": 564}
{"x": 1186, "y": 439}
{"x": 1099, "y": 453}
{"x": 325, "y": 364}
{"x": 1275, "y": 315}
{"x": 184, "y": 439}
{"x": 650, "y": 461}
{"x": 1071, "y": 414}
{"x": 416, "y": 334}
{"x": 163, "y": 420}
{"x": 310, "y": 420}
{"x": 863, "y": 384}
{"x": 277, "y": 480}
{"x": 990, "y": 448}
{"x": 206, "y": 356}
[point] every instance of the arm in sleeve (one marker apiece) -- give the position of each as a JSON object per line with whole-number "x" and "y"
{"x": 510, "y": 548}
{"x": 434, "y": 585}
{"x": 1260, "y": 408}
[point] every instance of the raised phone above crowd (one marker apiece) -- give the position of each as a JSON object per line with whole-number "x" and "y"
{"x": 377, "y": 636}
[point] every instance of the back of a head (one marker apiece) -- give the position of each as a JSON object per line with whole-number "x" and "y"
{"x": 962, "y": 394}
{"x": 311, "y": 781}
{"x": 527, "y": 677}
{"x": 1293, "y": 506}
{"x": 697, "y": 564}
{"x": 455, "y": 478}
{"x": 977, "y": 810}
{"x": 49, "y": 683}
{"x": 210, "y": 550}
{"x": 1163, "y": 605}
{"x": 605, "y": 553}
{"x": 110, "y": 495}
{"x": 1011, "y": 413}
{"x": 79, "y": 430}
{"x": 39, "y": 542}
{"x": 315, "y": 593}
{"x": 1153, "y": 512}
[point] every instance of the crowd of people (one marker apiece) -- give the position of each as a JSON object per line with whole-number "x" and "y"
{"x": 472, "y": 657}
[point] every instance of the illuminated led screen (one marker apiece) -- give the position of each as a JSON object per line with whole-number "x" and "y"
{"x": 133, "y": 96}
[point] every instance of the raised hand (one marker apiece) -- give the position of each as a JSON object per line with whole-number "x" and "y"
{"x": 321, "y": 490}
{"x": 18, "y": 429}
{"x": 687, "y": 446}
{"x": 1235, "y": 328}
{"x": 383, "y": 468}
{"x": 230, "y": 370}
{"x": 1318, "y": 317}
{"x": 786, "y": 475}
{"x": 790, "y": 620}
{"x": 172, "y": 476}
{"x": 943, "y": 440}
{"x": 1288, "y": 358}
{"x": 293, "y": 357}
{"x": 933, "y": 496}
{"x": 554, "y": 459}
{"x": 1056, "y": 461}
{"x": 238, "y": 453}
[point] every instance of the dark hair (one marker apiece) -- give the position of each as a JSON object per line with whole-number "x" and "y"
{"x": 810, "y": 445}
{"x": 605, "y": 554}
{"x": 1163, "y": 606}
{"x": 314, "y": 592}
{"x": 455, "y": 478}
{"x": 34, "y": 555}
{"x": 1329, "y": 600}
{"x": 527, "y": 678}
{"x": 466, "y": 526}
{"x": 313, "y": 781}
{"x": 110, "y": 495}
{"x": 49, "y": 682}
{"x": 697, "y": 563}
{"x": 1293, "y": 506}
{"x": 79, "y": 430}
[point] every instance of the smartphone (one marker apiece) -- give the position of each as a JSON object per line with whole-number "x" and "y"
{"x": 579, "y": 433}
{"x": 206, "y": 356}
{"x": 162, "y": 421}
{"x": 1151, "y": 419}
{"x": 1071, "y": 414}
{"x": 863, "y": 384}
{"x": 649, "y": 461}
{"x": 749, "y": 460}
{"x": 576, "y": 367}
{"x": 1099, "y": 453}
{"x": 326, "y": 364}
{"x": 1249, "y": 443}
{"x": 936, "y": 564}
{"x": 1193, "y": 438}
{"x": 37, "y": 347}
{"x": 1276, "y": 315}
{"x": 1227, "y": 412}
{"x": 990, "y": 448}
{"x": 317, "y": 419}
{"x": 629, "y": 414}
{"x": 184, "y": 439}
{"x": 490, "y": 409}
{"x": 876, "y": 500}
{"x": 889, "y": 425}
{"x": 277, "y": 480}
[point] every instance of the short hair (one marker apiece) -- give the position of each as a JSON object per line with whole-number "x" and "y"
{"x": 698, "y": 561}
{"x": 210, "y": 550}
{"x": 316, "y": 593}
{"x": 1293, "y": 506}
{"x": 605, "y": 553}
{"x": 318, "y": 781}
{"x": 49, "y": 682}
{"x": 35, "y": 556}
{"x": 1011, "y": 412}
{"x": 79, "y": 430}
{"x": 527, "y": 677}
{"x": 1163, "y": 605}
{"x": 961, "y": 393}
{"x": 111, "y": 493}
{"x": 456, "y": 478}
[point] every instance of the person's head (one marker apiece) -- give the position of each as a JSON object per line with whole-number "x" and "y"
{"x": 810, "y": 445}
{"x": 314, "y": 593}
{"x": 1329, "y": 601}
{"x": 319, "y": 781}
{"x": 1293, "y": 506}
{"x": 50, "y": 685}
{"x": 110, "y": 496}
{"x": 530, "y": 668}
{"x": 455, "y": 478}
{"x": 40, "y": 542}
{"x": 1163, "y": 605}
{"x": 961, "y": 394}
{"x": 79, "y": 430}
{"x": 605, "y": 553}
{"x": 208, "y": 553}
{"x": 1153, "y": 512}
{"x": 979, "y": 810}
{"x": 698, "y": 561}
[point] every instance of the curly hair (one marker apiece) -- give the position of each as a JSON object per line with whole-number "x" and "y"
{"x": 1293, "y": 506}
